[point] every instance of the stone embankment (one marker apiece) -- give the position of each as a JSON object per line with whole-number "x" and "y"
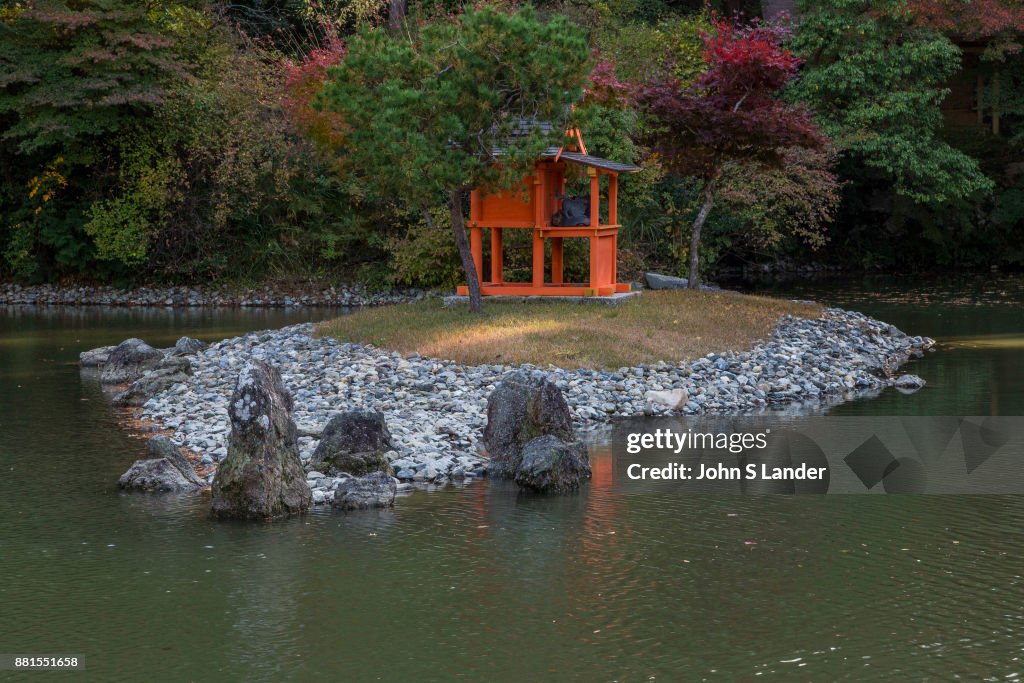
{"x": 436, "y": 410}
{"x": 185, "y": 297}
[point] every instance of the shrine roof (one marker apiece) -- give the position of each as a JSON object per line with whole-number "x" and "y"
{"x": 582, "y": 159}
{"x": 591, "y": 160}
{"x": 526, "y": 126}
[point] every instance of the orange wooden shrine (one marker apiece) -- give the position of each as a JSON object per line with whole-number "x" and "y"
{"x": 533, "y": 206}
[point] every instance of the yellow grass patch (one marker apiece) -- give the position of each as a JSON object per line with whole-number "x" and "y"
{"x": 670, "y": 325}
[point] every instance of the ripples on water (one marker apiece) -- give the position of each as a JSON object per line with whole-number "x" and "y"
{"x": 480, "y": 583}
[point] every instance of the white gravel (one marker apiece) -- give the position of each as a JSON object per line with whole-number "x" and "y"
{"x": 436, "y": 409}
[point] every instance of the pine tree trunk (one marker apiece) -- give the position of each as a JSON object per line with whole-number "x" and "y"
{"x": 459, "y": 226}
{"x": 698, "y": 224}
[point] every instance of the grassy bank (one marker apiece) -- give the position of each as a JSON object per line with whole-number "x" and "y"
{"x": 665, "y": 325}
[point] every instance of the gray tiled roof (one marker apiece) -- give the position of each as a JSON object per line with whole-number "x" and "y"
{"x": 525, "y": 126}
{"x": 590, "y": 160}
{"x": 583, "y": 159}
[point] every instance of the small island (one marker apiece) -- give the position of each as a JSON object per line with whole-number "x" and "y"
{"x": 429, "y": 368}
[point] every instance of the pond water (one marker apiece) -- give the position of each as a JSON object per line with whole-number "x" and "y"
{"x": 483, "y": 584}
{"x": 978, "y": 321}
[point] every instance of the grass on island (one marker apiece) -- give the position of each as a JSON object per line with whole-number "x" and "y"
{"x": 670, "y": 325}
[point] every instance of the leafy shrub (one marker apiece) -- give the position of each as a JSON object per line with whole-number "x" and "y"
{"x": 426, "y": 256}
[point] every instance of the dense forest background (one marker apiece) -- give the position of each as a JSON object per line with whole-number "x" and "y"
{"x": 183, "y": 141}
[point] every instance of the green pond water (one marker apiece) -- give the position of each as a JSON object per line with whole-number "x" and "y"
{"x": 483, "y": 584}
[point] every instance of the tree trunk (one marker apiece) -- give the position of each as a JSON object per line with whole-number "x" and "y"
{"x": 459, "y": 226}
{"x": 396, "y": 15}
{"x": 698, "y": 224}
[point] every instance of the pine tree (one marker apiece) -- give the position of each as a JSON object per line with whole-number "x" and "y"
{"x": 424, "y": 117}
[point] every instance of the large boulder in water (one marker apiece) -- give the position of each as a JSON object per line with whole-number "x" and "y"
{"x": 262, "y": 476}
{"x": 354, "y": 442}
{"x": 521, "y": 408}
{"x": 168, "y": 372}
{"x": 375, "y": 490}
{"x": 550, "y": 465}
{"x": 166, "y": 470}
{"x": 908, "y": 384}
{"x": 129, "y": 361}
{"x": 94, "y": 358}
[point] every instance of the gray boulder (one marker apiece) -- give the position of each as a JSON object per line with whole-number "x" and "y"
{"x": 94, "y": 358}
{"x": 521, "y": 408}
{"x": 673, "y": 399}
{"x": 908, "y": 384}
{"x": 262, "y": 476}
{"x": 168, "y": 372}
{"x": 186, "y": 346}
{"x": 659, "y": 281}
{"x": 165, "y": 471}
{"x": 376, "y": 490}
{"x": 354, "y": 442}
{"x": 129, "y": 361}
{"x": 550, "y": 465}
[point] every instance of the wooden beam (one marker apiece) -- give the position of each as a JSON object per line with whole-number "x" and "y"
{"x": 497, "y": 256}
{"x": 582, "y": 231}
{"x": 613, "y": 198}
{"x": 538, "y": 236}
{"x": 579, "y": 139}
{"x": 476, "y": 247}
{"x": 557, "y": 261}
{"x": 522, "y": 289}
{"x": 595, "y": 261}
{"x": 538, "y": 259}
{"x": 539, "y": 183}
{"x": 615, "y": 258}
{"x": 505, "y": 224}
{"x": 475, "y": 207}
{"x": 595, "y": 198}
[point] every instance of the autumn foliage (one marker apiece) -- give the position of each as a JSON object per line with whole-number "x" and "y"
{"x": 732, "y": 113}
{"x": 734, "y": 110}
{"x": 605, "y": 87}
{"x": 302, "y": 84}
{"x": 975, "y": 20}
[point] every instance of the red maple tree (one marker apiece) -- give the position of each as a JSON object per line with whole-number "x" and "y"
{"x": 975, "y": 20}
{"x": 731, "y": 112}
{"x": 605, "y": 87}
{"x": 302, "y": 84}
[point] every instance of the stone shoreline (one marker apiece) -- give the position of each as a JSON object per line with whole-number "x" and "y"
{"x": 184, "y": 297}
{"x": 436, "y": 409}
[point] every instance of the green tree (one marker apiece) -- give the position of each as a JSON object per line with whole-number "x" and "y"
{"x": 454, "y": 107}
{"x": 640, "y": 50}
{"x": 82, "y": 69}
{"x": 733, "y": 112}
{"x": 74, "y": 76}
{"x": 875, "y": 77}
